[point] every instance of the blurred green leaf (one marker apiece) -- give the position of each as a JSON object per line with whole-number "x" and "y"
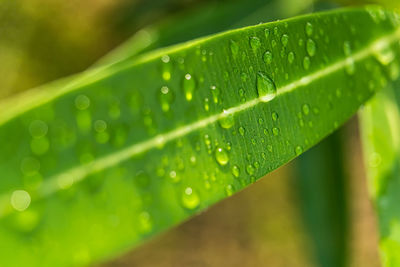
{"x": 380, "y": 121}
{"x": 96, "y": 164}
{"x": 322, "y": 186}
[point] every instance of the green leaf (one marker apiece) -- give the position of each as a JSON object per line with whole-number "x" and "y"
{"x": 97, "y": 163}
{"x": 380, "y": 128}
{"x": 321, "y": 182}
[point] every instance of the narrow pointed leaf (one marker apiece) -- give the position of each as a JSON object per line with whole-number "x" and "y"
{"x": 380, "y": 125}
{"x": 122, "y": 152}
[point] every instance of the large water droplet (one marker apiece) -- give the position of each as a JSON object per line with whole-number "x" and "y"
{"x": 221, "y": 156}
{"x": 265, "y": 87}
{"x": 311, "y": 47}
{"x": 274, "y": 116}
{"x": 188, "y": 86}
{"x": 190, "y": 199}
{"x": 227, "y": 121}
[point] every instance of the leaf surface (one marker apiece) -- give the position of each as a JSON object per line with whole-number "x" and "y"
{"x": 96, "y": 164}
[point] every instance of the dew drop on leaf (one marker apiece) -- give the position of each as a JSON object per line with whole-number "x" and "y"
{"x": 255, "y": 43}
{"x": 311, "y": 47}
{"x": 227, "y": 121}
{"x": 190, "y": 199}
{"x": 267, "y": 57}
{"x": 215, "y": 94}
{"x": 306, "y": 63}
{"x": 309, "y": 29}
{"x": 166, "y": 97}
{"x": 241, "y": 130}
{"x": 166, "y": 68}
{"x": 275, "y": 131}
{"x": 306, "y": 109}
{"x": 274, "y": 116}
{"x": 265, "y": 87}
{"x": 250, "y": 169}
{"x": 221, "y": 156}
{"x": 298, "y": 150}
{"x": 235, "y": 171}
{"x": 285, "y": 39}
{"x": 188, "y": 86}
{"x": 229, "y": 190}
{"x": 290, "y": 57}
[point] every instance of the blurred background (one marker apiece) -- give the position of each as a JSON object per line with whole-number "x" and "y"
{"x": 314, "y": 211}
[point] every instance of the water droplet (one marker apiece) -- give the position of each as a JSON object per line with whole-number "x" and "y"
{"x": 190, "y": 199}
{"x": 285, "y": 39}
{"x": 311, "y": 47}
{"x": 255, "y": 43}
{"x": 235, "y": 171}
{"x": 250, "y": 169}
{"x": 274, "y": 116}
{"x": 266, "y": 87}
{"x": 306, "y": 63}
{"x": 227, "y": 121}
{"x": 234, "y": 48}
{"x": 309, "y": 29}
{"x": 188, "y": 86}
{"x": 215, "y": 93}
{"x": 82, "y": 102}
{"x": 306, "y": 109}
{"x": 266, "y": 32}
{"x": 166, "y": 97}
{"x": 166, "y": 68}
{"x": 267, "y": 57}
{"x": 275, "y": 131}
{"x": 241, "y": 130}
{"x": 261, "y": 121}
{"x": 290, "y": 57}
{"x": 174, "y": 176}
{"x": 269, "y": 148}
{"x": 229, "y": 190}
{"x": 145, "y": 222}
{"x": 20, "y": 200}
{"x": 298, "y": 150}
{"x": 206, "y": 104}
{"x": 221, "y": 156}
{"x": 38, "y": 129}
